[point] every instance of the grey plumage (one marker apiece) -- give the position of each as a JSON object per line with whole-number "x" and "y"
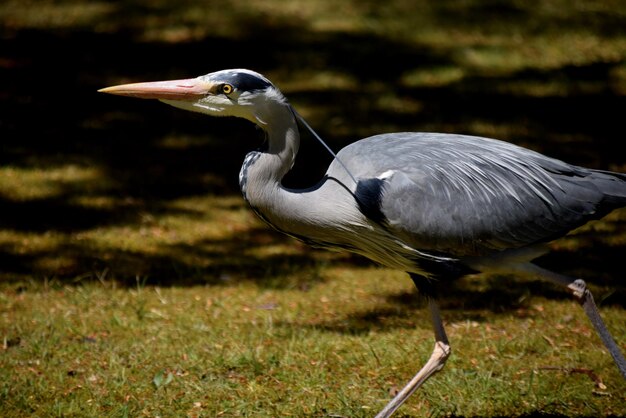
{"x": 434, "y": 205}
{"x": 472, "y": 196}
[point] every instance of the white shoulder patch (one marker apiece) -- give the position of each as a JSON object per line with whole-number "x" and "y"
{"x": 386, "y": 175}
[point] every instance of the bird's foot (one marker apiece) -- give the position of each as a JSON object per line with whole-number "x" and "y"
{"x": 579, "y": 290}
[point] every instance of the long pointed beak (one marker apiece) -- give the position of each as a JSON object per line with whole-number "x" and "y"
{"x": 189, "y": 89}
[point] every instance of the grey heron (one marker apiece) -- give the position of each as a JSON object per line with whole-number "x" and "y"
{"x": 437, "y": 206}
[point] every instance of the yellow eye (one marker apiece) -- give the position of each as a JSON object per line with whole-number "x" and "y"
{"x": 227, "y": 89}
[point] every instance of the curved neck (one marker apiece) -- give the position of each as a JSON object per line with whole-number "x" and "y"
{"x": 262, "y": 171}
{"x": 283, "y": 141}
{"x": 316, "y": 213}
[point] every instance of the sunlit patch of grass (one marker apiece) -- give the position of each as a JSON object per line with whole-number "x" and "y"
{"x": 510, "y": 41}
{"x": 99, "y": 349}
{"x": 618, "y": 79}
{"x": 432, "y": 77}
{"x": 21, "y": 183}
{"x": 182, "y": 142}
{"x": 64, "y": 14}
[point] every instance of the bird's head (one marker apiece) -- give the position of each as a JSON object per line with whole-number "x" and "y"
{"x": 238, "y": 92}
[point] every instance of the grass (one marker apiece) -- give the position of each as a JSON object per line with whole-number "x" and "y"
{"x": 96, "y": 349}
{"x": 135, "y": 282}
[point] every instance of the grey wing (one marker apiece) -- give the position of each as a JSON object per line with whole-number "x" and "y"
{"x": 464, "y": 195}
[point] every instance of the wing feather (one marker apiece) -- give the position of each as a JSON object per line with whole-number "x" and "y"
{"x": 464, "y": 195}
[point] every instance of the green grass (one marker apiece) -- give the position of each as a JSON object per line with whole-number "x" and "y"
{"x": 95, "y": 349}
{"x": 134, "y": 281}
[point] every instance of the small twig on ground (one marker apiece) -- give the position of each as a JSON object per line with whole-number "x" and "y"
{"x": 569, "y": 370}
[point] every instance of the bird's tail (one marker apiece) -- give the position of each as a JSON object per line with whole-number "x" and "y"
{"x": 613, "y": 186}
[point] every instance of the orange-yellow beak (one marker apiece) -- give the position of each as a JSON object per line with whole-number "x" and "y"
{"x": 189, "y": 89}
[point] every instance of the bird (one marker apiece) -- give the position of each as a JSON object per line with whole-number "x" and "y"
{"x": 437, "y": 206}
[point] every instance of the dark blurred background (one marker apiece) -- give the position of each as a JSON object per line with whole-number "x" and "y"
{"x": 549, "y": 75}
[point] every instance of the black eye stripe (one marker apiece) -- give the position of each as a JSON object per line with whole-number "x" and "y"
{"x": 248, "y": 82}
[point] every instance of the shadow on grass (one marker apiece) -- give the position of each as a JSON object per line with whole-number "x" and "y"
{"x": 462, "y": 302}
{"x": 52, "y": 116}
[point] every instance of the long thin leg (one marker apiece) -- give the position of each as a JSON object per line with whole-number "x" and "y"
{"x": 585, "y": 298}
{"x": 437, "y": 359}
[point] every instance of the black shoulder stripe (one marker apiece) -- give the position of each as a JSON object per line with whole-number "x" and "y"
{"x": 368, "y": 196}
